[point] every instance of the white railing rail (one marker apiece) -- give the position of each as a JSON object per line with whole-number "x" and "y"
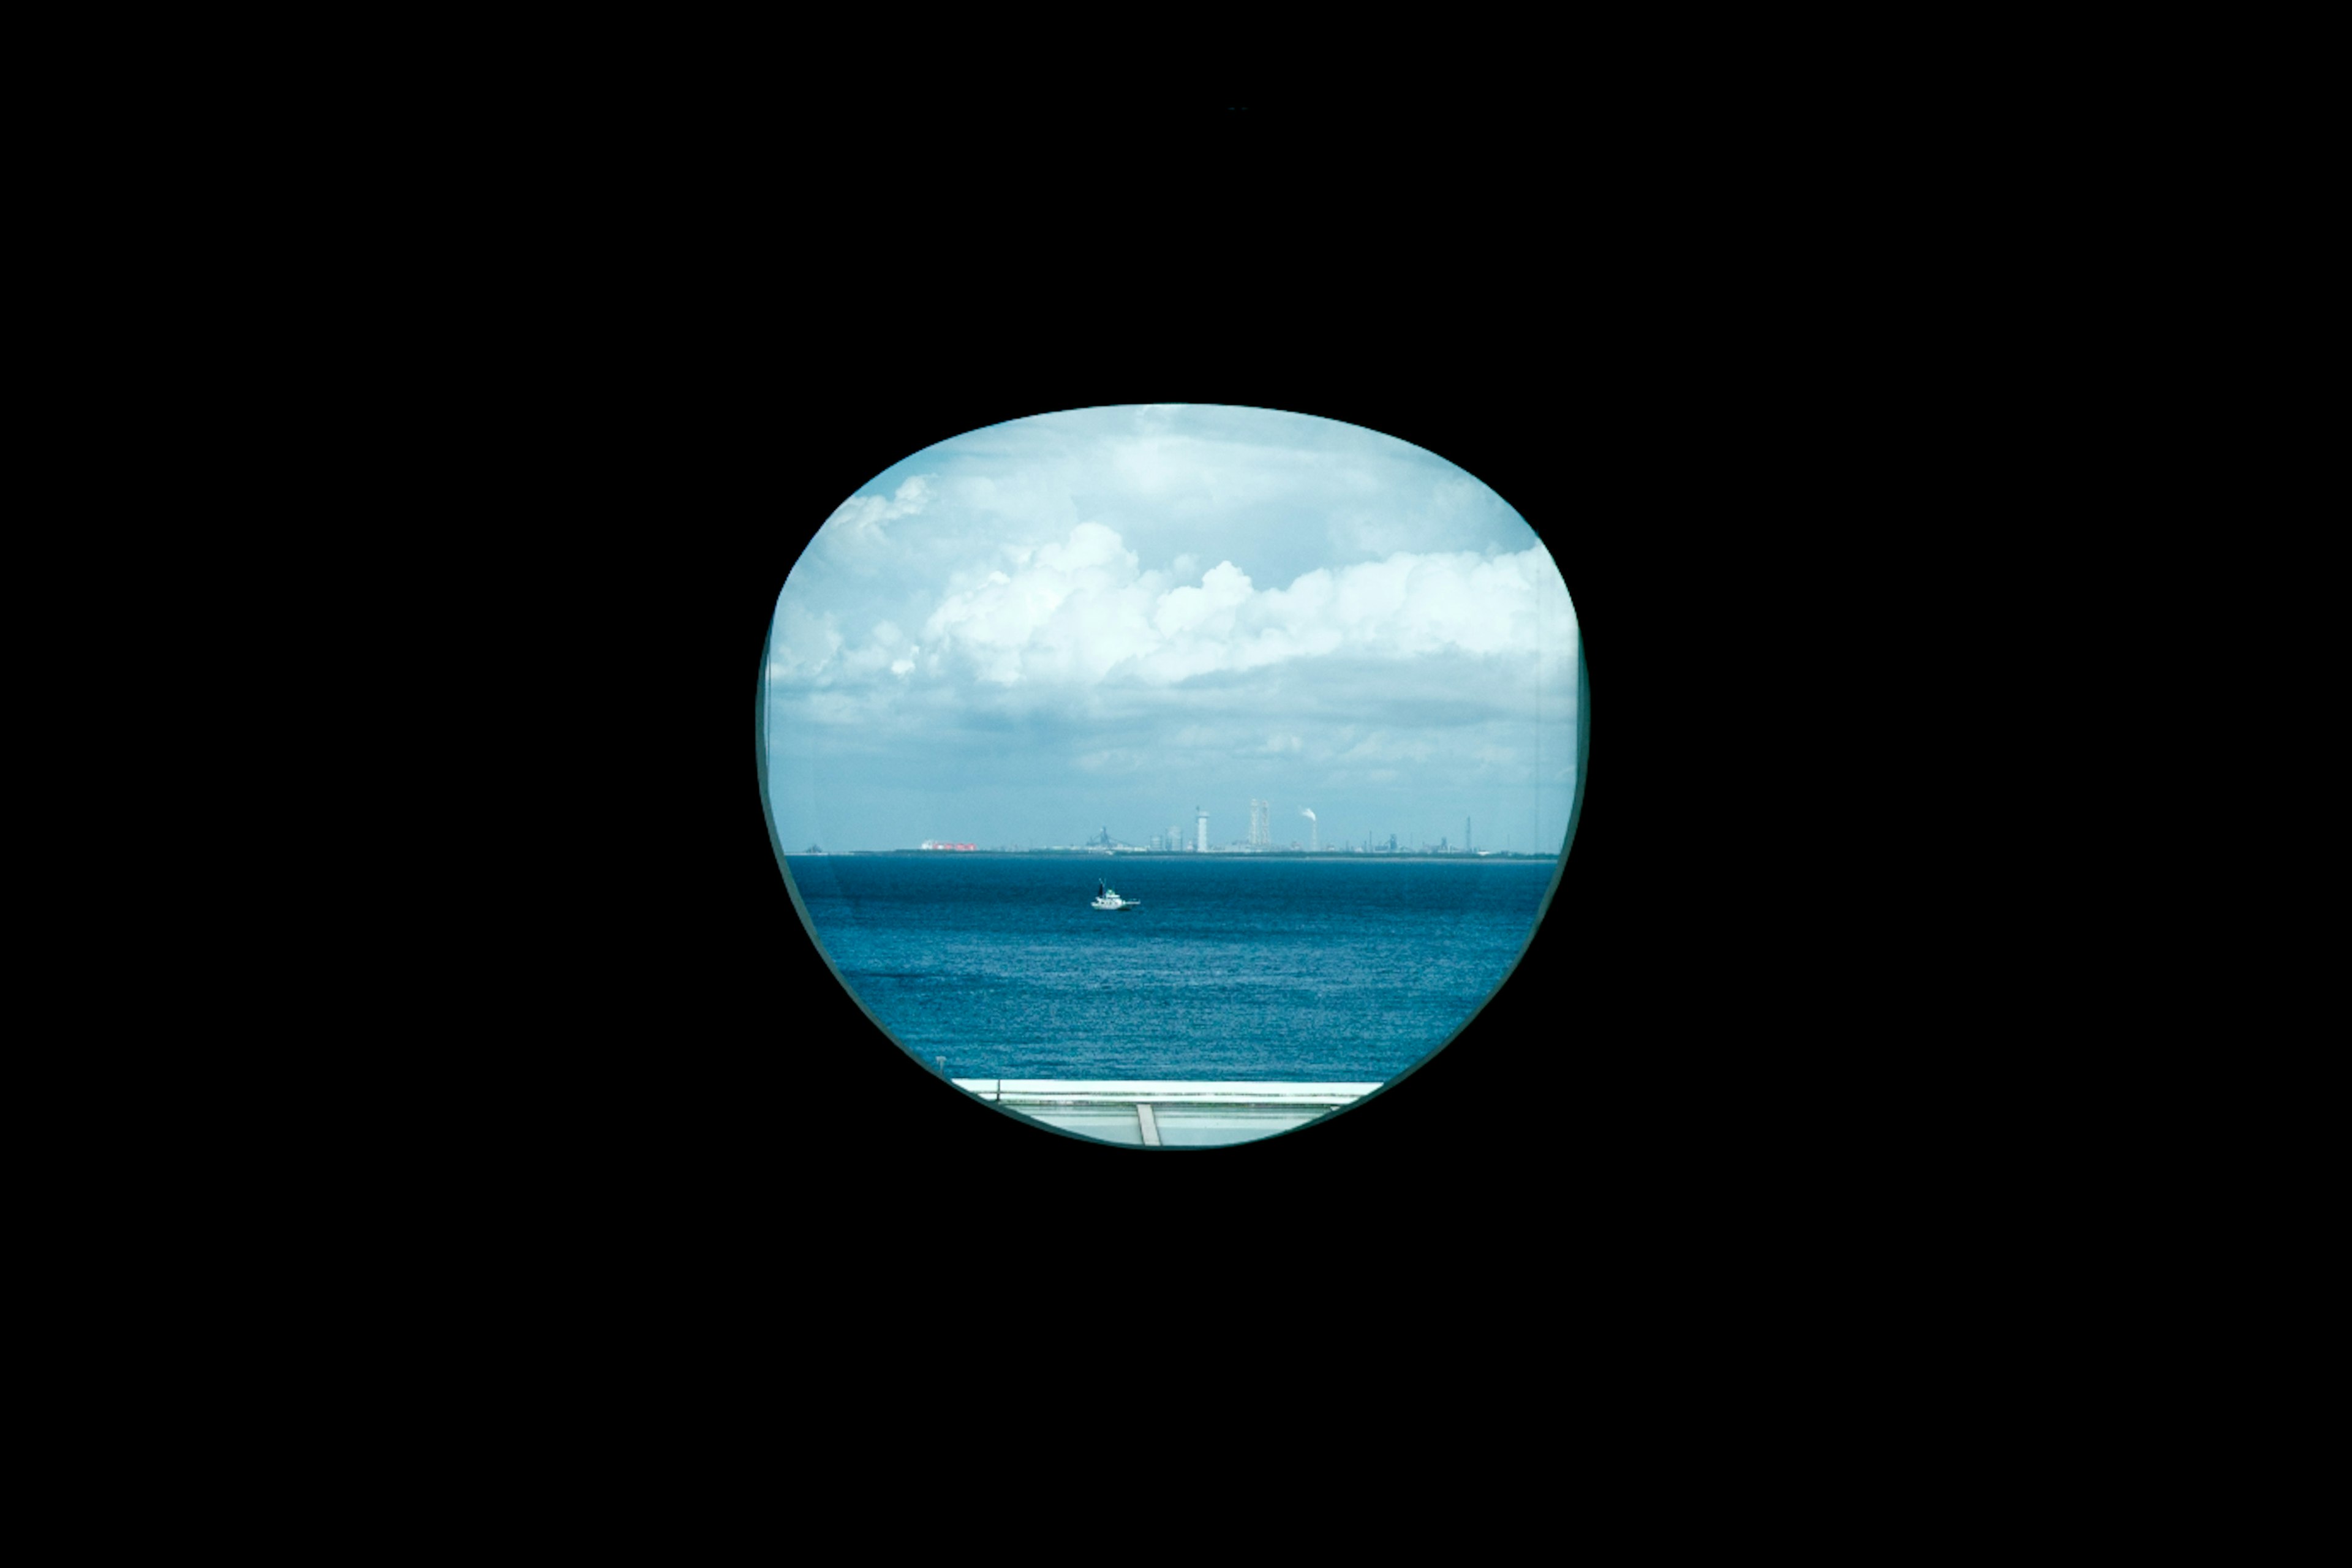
{"x": 1161, "y": 1091}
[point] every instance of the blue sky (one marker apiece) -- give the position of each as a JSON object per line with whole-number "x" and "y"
{"x": 1107, "y": 616}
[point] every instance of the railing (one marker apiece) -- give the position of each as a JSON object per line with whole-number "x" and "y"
{"x": 1162, "y": 1091}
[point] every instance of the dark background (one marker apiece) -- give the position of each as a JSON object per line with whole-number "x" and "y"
{"x": 800, "y": 323}
{"x": 628, "y": 338}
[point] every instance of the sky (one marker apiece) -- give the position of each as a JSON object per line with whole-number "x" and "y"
{"x": 1107, "y": 618}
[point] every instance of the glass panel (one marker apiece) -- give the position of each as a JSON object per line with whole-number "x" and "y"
{"x": 1111, "y": 1124}
{"x": 1200, "y": 1127}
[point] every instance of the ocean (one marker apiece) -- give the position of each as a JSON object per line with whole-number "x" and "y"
{"x": 1326, "y": 970}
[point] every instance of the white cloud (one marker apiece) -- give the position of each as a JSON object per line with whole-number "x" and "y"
{"x": 804, "y": 643}
{"x": 1205, "y": 610}
{"x": 1082, "y": 611}
{"x": 859, "y": 529}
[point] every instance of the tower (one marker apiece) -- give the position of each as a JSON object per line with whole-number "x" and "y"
{"x": 1202, "y": 817}
{"x": 1261, "y": 825}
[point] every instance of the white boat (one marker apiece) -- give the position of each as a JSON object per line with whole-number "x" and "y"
{"x": 1108, "y": 899}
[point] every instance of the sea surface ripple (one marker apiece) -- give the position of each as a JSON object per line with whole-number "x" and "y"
{"x": 1235, "y": 967}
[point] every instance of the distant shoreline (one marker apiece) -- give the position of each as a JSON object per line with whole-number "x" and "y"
{"x": 1337, "y": 854}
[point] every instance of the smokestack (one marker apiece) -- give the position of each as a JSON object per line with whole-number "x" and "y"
{"x": 1314, "y": 829}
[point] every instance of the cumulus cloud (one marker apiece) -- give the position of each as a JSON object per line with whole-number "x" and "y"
{"x": 804, "y": 643}
{"x": 858, "y": 531}
{"x": 1083, "y": 611}
{"x": 812, "y": 650}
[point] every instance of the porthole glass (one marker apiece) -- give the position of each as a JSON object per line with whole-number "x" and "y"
{"x": 1172, "y": 776}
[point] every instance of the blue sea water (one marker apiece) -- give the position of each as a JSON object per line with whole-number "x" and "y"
{"x": 1235, "y": 967}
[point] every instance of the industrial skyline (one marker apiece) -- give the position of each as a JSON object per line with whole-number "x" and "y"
{"x": 1260, "y": 840}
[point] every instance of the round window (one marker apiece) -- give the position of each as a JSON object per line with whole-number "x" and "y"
{"x": 1172, "y": 776}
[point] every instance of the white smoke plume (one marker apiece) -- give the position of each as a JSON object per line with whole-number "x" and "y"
{"x": 1306, "y": 812}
